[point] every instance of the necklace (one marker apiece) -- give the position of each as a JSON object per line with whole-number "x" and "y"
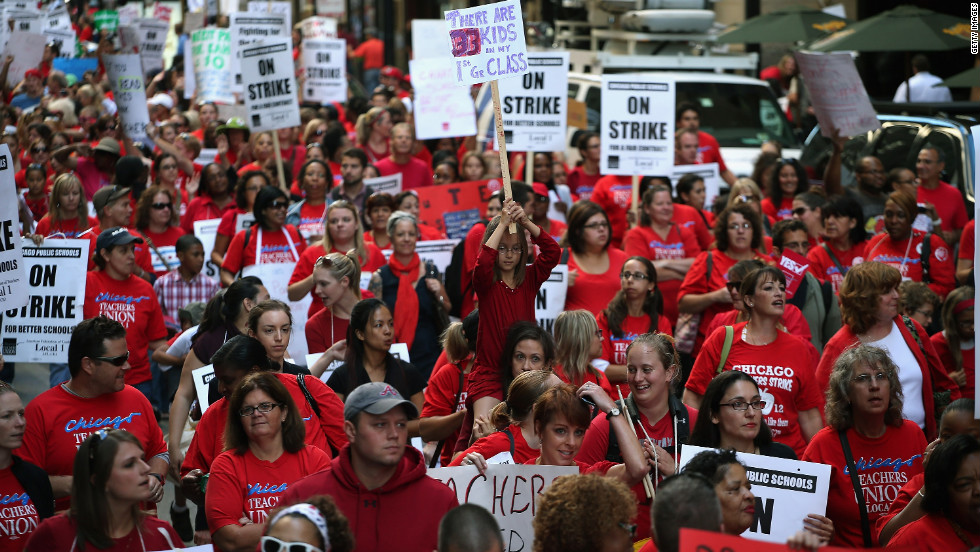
{"x": 745, "y": 337}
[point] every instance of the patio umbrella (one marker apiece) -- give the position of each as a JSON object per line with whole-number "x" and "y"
{"x": 966, "y": 79}
{"x": 903, "y": 29}
{"x": 790, "y": 24}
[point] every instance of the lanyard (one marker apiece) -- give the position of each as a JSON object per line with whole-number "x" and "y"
{"x": 258, "y": 245}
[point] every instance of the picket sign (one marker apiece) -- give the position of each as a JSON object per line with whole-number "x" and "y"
{"x": 202, "y": 381}
{"x": 13, "y": 278}
{"x": 207, "y": 231}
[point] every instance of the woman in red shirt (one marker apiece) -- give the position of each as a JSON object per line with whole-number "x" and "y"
{"x": 864, "y": 408}
{"x": 270, "y": 240}
{"x": 373, "y": 133}
{"x": 24, "y": 483}
{"x": 264, "y": 453}
{"x": 214, "y": 198}
{"x": 579, "y": 342}
{"x": 379, "y": 207}
{"x": 167, "y": 171}
{"x": 956, "y": 343}
{"x": 68, "y": 211}
{"x": 307, "y": 215}
{"x": 336, "y": 282}
{"x": 788, "y": 179}
{"x": 670, "y": 246}
{"x": 408, "y": 201}
{"x": 582, "y": 179}
{"x": 240, "y": 217}
{"x": 262, "y": 151}
{"x": 156, "y": 222}
{"x": 35, "y": 195}
{"x": 691, "y": 192}
{"x": 593, "y": 265}
{"x": 845, "y": 241}
{"x": 111, "y": 480}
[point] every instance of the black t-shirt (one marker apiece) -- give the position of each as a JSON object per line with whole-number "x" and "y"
{"x": 399, "y": 374}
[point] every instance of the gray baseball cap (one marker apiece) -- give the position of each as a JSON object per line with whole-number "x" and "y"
{"x": 376, "y": 398}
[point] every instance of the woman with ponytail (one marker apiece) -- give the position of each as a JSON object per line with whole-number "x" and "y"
{"x": 336, "y": 283}
{"x": 955, "y": 343}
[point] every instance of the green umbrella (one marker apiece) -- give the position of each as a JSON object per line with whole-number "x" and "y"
{"x": 966, "y": 79}
{"x": 790, "y": 24}
{"x": 903, "y": 29}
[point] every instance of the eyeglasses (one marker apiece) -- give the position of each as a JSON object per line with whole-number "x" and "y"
{"x": 319, "y": 132}
{"x": 927, "y": 314}
{"x": 314, "y": 145}
{"x": 278, "y": 205}
{"x": 800, "y": 211}
{"x": 865, "y": 379}
{"x": 740, "y": 226}
{"x": 503, "y": 250}
{"x": 628, "y": 527}
{"x": 263, "y": 408}
{"x": 35, "y": 166}
{"x": 598, "y": 333}
{"x": 168, "y": 167}
{"x": 162, "y": 206}
{"x": 733, "y": 286}
{"x": 39, "y": 149}
{"x": 741, "y": 406}
{"x": 115, "y": 361}
{"x": 597, "y": 225}
{"x": 638, "y": 276}
{"x": 272, "y": 544}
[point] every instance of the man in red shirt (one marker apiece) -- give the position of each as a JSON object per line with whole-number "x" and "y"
{"x": 415, "y": 173}
{"x": 63, "y": 417}
{"x": 378, "y": 479}
{"x": 689, "y": 116}
{"x": 372, "y": 51}
{"x": 931, "y": 190}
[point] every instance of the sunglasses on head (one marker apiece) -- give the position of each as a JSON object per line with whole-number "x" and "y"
{"x": 115, "y": 361}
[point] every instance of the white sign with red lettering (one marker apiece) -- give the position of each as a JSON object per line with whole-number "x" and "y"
{"x": 441, "y": 108}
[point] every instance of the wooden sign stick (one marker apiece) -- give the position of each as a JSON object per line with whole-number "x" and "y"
{"x": 502, "y": 147}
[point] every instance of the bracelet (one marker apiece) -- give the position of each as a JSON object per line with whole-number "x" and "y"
{"x": 920, "y": 494}
{"x": 158, "y": 476}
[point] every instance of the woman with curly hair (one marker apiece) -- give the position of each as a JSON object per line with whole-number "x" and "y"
{"x": 316, "y": 523}
{"x": 787, "y": 179}
{"x": 585, "y": 514}
{"x": 955, "y": 344}
{"x": 864, "y": 422}
{"x": 918, "y": 302}
{"x": 869, "y": 304}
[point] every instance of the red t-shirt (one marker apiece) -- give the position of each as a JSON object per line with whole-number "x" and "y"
{"x": 244, "y": 485}
{"x": 680, "y": 243}
{"x": 824, "y": 268}
{"x": 581, "y": 184}
{"x": 967, "y": 240}
{"x": 133, "y": 303}
{"x": 18, "y": 516}
{"x": 905, "y": 495}
{"x": 304, "y": 267}
{"x": 166, "y": 249}
{"x": 948, "y": 203}
{"x": 324, "y": 329}
{"x": 942, "y": 270}
{"x": 203, "y": 207}
{"x": 208, "y": 440}
{"x": 60, "y": 422}
{"x": 229, "y": 221}
{"x": 275, "y": 248}
{"x": 933, "y": 533}
{"x": 499, "y": 442}
{"x": 884, "y": 465}
{"x": 372, "y": 50}
{"x": 58, "y": 533}
{"x": 614, "y": 346}
{"x": 311, "y": 219}
{"x": 593, "y": 292}
{"x": 709, "y": 151}
{"x": 47, "y": 227}
{"x": 427, "y": 233}
{"x": 614, "y": 194}
{"x": 783, "y": 212}
{"x": 590, "y": 377}
{"x": 415, "y": 173}
{"x": 556, "y": 229}
{"x": 692, "y": 219}
{"x": 500, "y": 307}
{"x": 939, "y": 341}
{"x": 792, "y": 320}
{"x": 784, "y": 377}
{"x": 444, "y": 387}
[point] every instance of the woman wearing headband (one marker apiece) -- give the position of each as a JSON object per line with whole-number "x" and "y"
{"x": 311, "y": 526}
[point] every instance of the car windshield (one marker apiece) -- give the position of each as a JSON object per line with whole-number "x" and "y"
{"x": 737, "y": 115}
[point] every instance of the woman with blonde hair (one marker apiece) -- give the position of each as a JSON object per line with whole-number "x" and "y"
{"x": 869, "y": 304}
{"x": 579, "y": 342}
{"x": 373, "y": 133}
{"x": 336, "y": 283}
{"x": 342, "y": 233}
{"x": 68, "y": 211}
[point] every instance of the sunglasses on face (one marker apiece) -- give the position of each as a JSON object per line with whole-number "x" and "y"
{"x": 733, "y": 286}
{"x": 278, "y": 205}
{"x": 115, "y": 361}
{"x": 162, "y": 206}
{"x": 800, "y": 211}
{"x": 272, "y": 544}
{"x": 39, "y": 149}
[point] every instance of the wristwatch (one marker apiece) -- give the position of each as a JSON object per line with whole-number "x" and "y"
{"x": 613, "y": 413}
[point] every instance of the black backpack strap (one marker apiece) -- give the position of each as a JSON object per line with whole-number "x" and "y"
{"x": 564, "y": 256}
{"x": 442, "y": 443}
{"x": 510, "y": 437}
{"x": 858, "y": 493}
{"x": 926, "y": 252}
{"x": 301, "y": 379}
{"x": 833, "y": 258}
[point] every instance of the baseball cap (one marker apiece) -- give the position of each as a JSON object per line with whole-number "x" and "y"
{"x": 32, "y": 72}
{"x": 108, "y": 194}
{"x": 108, "y": 145}
{"x": 162, "y": 99}
{"x": 376, "y": 398}
{"x": 391, "y": 71}
{"x": 115, "y": 236}
{"x": 540, "y": 189}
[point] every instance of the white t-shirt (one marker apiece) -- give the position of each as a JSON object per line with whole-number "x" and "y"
{"x": 181, "y": 346}
{"x": 909, "y": 373}
{"x": 923, "y": 89}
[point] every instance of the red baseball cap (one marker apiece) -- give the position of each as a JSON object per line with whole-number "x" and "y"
{"x": 540, "y": 189}
{"x": 33, "y": 73}
{"x": 391, "y": 71}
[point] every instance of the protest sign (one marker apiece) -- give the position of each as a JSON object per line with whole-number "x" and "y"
{"x": 324, "y": 63}
{"x": 27, "y": 50}
{"x": 152, "y": 37}
{"x": 62, "y": 41}
{"x": 211, "y": 50}
{"x": 550, "y": 300}
{"x": 637, "y": 127}
{"x": 202, "y": 380}
{"x": 247, "y": 28}
{"x": 107, "y": 20}
{"x": 126, "y": 78}
{"x": 57, "y": 17}
{"x": 244, "y": 221}
{"x": 129, "y": 13}
{"x": 487, "y": 42}
{"x": 423, "y": 47}
{"x": 837, "y": 93}
{"x": 270, "y": 95}
{"x": 707, "y": 171}
{"x": 794, "y": 267}
{"x": 534, "y": 106}
{"x": 285, "y": 9}
{"x": 335, "y": 9}
{"x": 24, "y": 20}
{"x": 454, "y": 208}
{"x": 40, "y": 330}
{"x": 695, "y": 540}
{"x": 508, "y": 492}
{"x": 206, "y": 231}
{"x": 316, "y": 28}
{"x": 276, "y": 276}
{"x": 786, "y": 491}
{"x": 13, "y": 277}
{"x": 441, "y": 108}
{"x": 162, "y": 12}
{"x": 391, "y": 184}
